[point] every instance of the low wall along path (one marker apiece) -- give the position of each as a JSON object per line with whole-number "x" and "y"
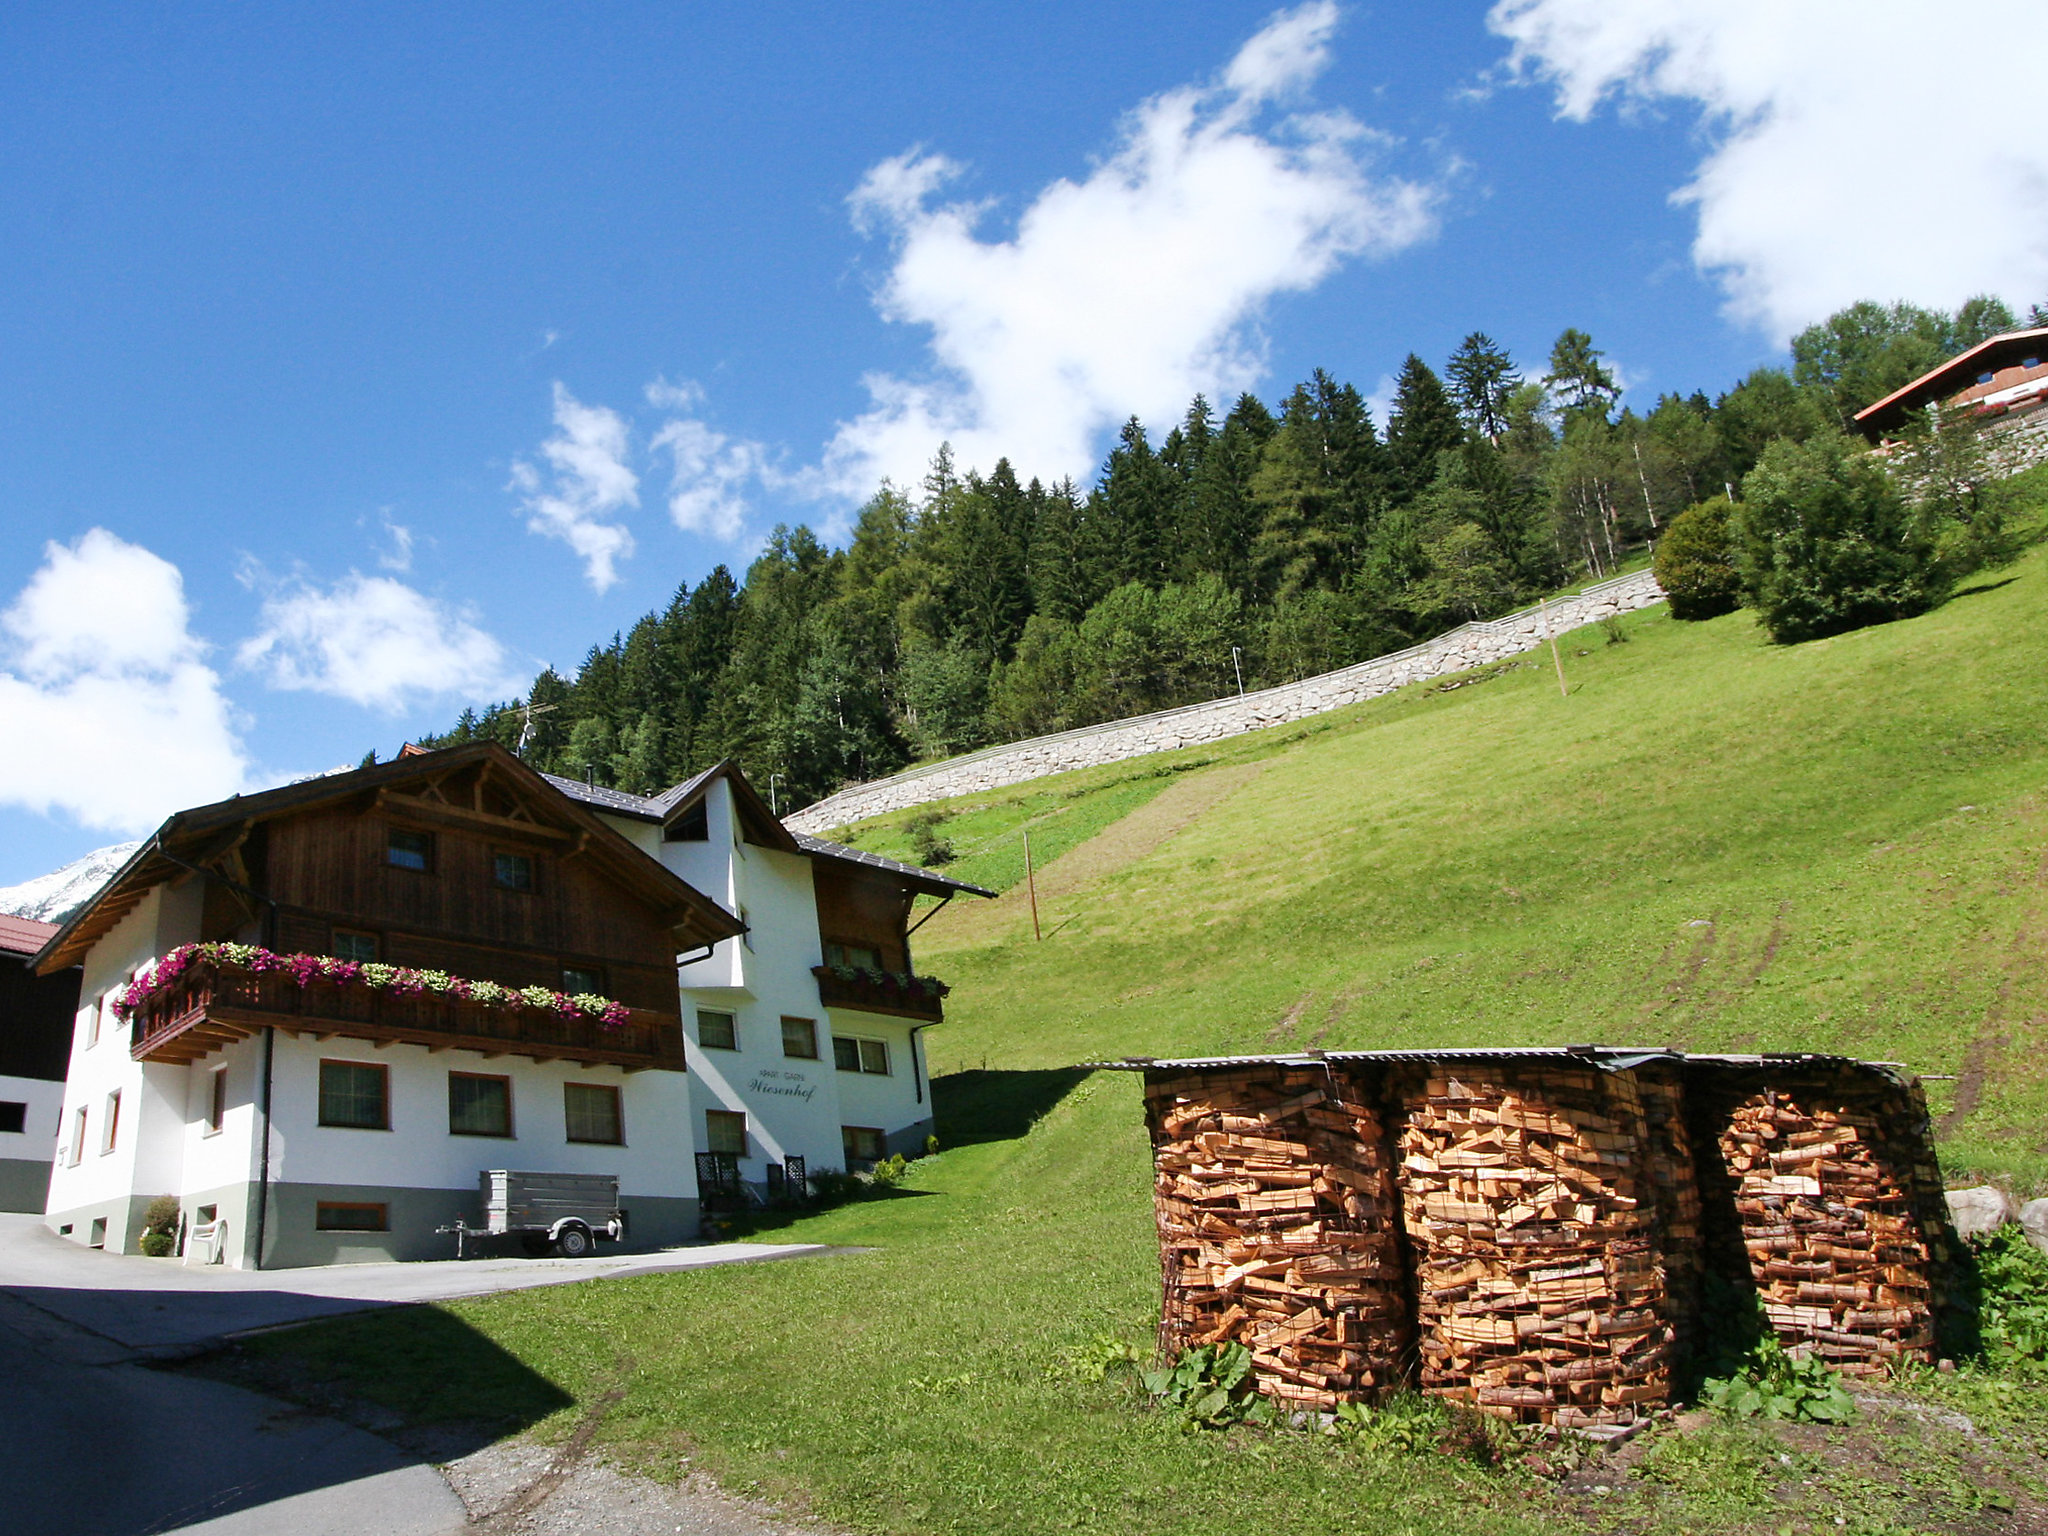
{"x": 1470, "y": 645}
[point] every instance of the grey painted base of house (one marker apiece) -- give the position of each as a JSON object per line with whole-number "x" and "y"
{"x": 292, "y": 1238}
{"x": 910, "y": 1140}
{"x": 122, "y": 1215}
{"x": 24, "y": 1183}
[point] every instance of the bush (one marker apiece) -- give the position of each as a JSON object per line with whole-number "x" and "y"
{"x": 1695, "y": 561}
{"x": 2014, "y": 1277}
{"x": 930, "y": 849}
{"x": 1827, "y": 543}
{"x": 158, "y": 1245}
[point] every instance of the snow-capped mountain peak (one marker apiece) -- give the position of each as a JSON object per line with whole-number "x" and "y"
{"x": 53, "y": 897}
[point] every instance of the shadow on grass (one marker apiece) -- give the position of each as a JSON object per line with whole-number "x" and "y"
{"x": 756, "y": 1221}
{"x": 453, "y": 1389}
{"x": 1982, "y": 586}
{"x": 983, "y": 1105}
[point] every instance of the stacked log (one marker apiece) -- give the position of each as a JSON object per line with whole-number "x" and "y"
{"x": 1541, "y": 1294}
{"x": 1830, "y": 1193}
{"x": 1276, "y": 1211}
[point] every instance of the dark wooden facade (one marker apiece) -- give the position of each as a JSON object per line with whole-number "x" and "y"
{"x": 514, "y": 884}
{"x": 37, "y": 1013}
{"x": 863, "y": 910}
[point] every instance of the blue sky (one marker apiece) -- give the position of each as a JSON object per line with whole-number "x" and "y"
{"x": 314, "y": 313}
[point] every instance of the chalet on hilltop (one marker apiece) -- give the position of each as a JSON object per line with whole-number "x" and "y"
{"x": 35, "y": 1043}
{"x": 314, "y": 1016}
{"x": 2003, "y": 381}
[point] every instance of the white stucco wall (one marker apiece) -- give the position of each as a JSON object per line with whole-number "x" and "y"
{"x": 418, "y": 1152}
{"x": 148, "y": 1150}
{"x": 867, "y": 1098}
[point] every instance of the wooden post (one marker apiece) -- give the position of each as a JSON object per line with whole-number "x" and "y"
{"x": 1544, "y": 605}
{"x": 1031, "y": 883}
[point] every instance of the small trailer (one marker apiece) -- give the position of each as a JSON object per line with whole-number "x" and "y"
{"x": 565, "y": 1212}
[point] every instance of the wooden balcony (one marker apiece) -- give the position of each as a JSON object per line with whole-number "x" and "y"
{"x": 215, "y": 1007}
{"x": 864, "y": 994}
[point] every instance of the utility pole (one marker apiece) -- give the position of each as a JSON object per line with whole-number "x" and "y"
{"x": 1031, "y": 884}
{"x": 1238, "y": 667}
{"x": 527, "y": 711}
{"x": 773, "y": 780}
{"x": 1543, "y": 605}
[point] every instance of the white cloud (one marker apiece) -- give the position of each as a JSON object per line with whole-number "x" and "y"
{"x": 710, "y": 469}
{"x": 375, "y": 642}
{"x": 587, "y": 483}
{"x": 399, "y": 556}
{"x": 1130, "y": 290}
{"x": 1859, "y": 148}
{"x": 108, "y": 710}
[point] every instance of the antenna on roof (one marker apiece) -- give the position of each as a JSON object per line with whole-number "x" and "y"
{"x": 526, "y": 712}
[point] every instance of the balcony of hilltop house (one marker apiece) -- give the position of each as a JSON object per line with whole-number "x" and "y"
{"x": 886, "y": 992}
{"x": 210, "y": 1005}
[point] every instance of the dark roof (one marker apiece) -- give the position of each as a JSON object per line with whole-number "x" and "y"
{"x": 760, "y": 822}
{"x": 924, "y": 879}
{"x": 206, "y": 832}
{"x": 23, "y": 935}
{"x": 1608, "y": 1058}
{"x": 1957, "y": 374}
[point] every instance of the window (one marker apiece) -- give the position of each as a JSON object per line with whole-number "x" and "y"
{"x": 409, "y": 850}
{"x": 479, "y": 1105}
{"x": 350, "y": 945}
{"x": 851, "y": 1055}
{"x": 861, "y": 1144}
{"x": 1986, "y": 378}
{"x": 719, "y": 1031}
{"x": 693, "y": 826}
{"x": 77, "y": 1153}
{"x": 512, "y": 871}
{"x": 113, "y": 1122}
{"x": 99, "y": 1232}
{"x": 859, "y": 956}
{"x": 351, "y": 1216}
{"x": 13, "y": 1117}
{"x": 592, "y": 1112}
{"x": 355, "y": 1095}
{"x": 800, "y": 1038}
{"x": 217, "y": 1101}
{"x": 581, "y": 978}
{"x": 726, "y": 1132}
{"x": 92, "y": 1021}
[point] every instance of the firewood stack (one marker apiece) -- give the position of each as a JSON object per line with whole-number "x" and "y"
{"x": 1832, "y": 1202}
{"x": 1673, "y": 1173}
{"x": 1541, "y": 1293}
{"x": 1276, "y": 1214}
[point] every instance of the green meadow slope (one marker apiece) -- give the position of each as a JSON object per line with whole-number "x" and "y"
{"x": 1711, "y": 842}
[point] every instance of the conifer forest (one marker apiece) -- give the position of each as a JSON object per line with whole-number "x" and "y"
{"x": 1246, "y": 541}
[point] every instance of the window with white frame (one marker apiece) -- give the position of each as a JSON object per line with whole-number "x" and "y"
{"x": 113, "y": 1126}
{"x": 850, "y": 1053}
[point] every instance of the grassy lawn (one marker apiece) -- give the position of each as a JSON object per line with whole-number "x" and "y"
{"x": 1711, "y": 842}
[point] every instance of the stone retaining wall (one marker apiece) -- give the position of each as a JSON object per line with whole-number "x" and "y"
{"x": 1471, "y": 645}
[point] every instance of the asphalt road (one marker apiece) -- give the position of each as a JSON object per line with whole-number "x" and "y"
{"x": 96, "y": 1442}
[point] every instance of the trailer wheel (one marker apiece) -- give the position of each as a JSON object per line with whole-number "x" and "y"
{"x": 574, "y": 1241}
{"x": 536, "y": 1244}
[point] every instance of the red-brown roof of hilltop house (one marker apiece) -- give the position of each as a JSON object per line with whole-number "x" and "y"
{"x": 23, "y": 935}
{"x": 1965, "y": 379}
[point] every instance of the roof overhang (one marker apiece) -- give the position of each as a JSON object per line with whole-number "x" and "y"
{"x": 189, "y": 840}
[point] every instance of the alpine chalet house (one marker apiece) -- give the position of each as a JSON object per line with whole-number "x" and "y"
{"x": 35, "y": 1042}
{"x": 803, "y": 1031}
{"x": 314, "y": 1015}
{"x": 2003, "y": 382}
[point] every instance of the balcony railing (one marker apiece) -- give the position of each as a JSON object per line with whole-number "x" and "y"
{"x": 213, "y": 1006}
{"x": 904, "y": 997}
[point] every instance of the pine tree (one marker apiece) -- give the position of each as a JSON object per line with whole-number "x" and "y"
{"x": 1136, "y": 501}
{"x": 1320, "y": 484}
{"x": 1423, "y": 425}
{"x": 1578, "y": 378}
{"x": 1483, "y": 377}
